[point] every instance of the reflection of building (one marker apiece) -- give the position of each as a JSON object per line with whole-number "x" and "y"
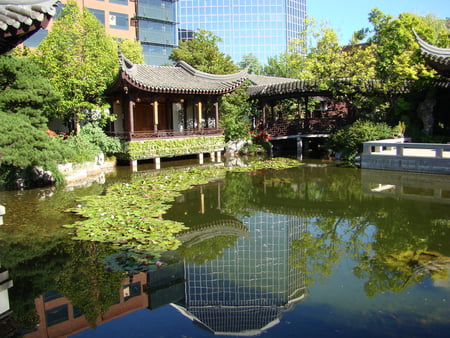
{"x": 249, "y": 287}
{"x": 59, "y": 318}
{"x": 261, "y": 27}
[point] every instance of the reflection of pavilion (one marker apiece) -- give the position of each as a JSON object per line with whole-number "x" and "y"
{"x": 252, "y": 285}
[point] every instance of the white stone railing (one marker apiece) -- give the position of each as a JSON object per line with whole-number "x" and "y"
{"x": 394, "y": 154}
{"x": 397, "y": 147}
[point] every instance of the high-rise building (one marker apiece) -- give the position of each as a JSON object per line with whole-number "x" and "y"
{"x": 153, "y": 22}
{"x": 263, "y": 28}
{"x": 156, "y": 29}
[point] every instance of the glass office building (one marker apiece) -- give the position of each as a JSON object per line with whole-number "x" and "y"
{"x": 261, "y": 27}
{"x": 157, "y": 31}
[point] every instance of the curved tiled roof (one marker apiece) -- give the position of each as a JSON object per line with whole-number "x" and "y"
{"x": 302, "y": 86}
{"x": 179, "y": 79}
{"x": 19, "y": 19}
{"x": 438, "y": 58}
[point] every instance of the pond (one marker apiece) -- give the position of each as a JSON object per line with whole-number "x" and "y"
{"x": 311, "y": 251}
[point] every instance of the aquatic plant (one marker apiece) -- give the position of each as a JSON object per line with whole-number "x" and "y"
{"x": 129, "y": 215}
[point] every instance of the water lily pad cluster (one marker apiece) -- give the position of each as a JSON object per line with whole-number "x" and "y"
{"x": 130, "y": 214}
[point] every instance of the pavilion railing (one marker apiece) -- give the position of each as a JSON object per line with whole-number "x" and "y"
{"x": 166, "y": 133}
{"x": 303, "y": 126}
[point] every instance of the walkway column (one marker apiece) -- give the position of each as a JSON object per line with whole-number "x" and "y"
{"x": 264, "y": 115}
{"x": 157, "y": 163}
{"x": 155, "y": 115}
{"x": 200, "y": 158}
{"x": 199, "y": 114}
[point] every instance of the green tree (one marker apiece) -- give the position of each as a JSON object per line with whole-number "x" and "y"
{"x": 236, "y": 110}
{"x": 80, "y": 60}
{"x": 253, "y": 64}
{"x": 132, "y": 50}
{"x": 203, "y": 53}
{"x": 25, "y": 91}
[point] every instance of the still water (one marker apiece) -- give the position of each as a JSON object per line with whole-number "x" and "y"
{"x": 313, "y": 251}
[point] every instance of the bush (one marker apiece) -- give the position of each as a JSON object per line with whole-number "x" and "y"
{"x": 96, "y": 136}
{"x": 349, "y": 139}
{"x": 24, "y": 147}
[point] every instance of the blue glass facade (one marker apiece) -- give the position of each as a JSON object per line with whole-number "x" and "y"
{"x": 261, "y": 27}
{"x": 156, "y": 20}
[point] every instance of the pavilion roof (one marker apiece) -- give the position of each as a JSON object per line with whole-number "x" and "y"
{"x": 438, "y": 58}
{"x": 179, "y": 79}
{"x": 19, "y": 19}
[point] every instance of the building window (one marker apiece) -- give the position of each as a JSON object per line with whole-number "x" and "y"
{"x": 118, "y": 20}
{"x": 57, "y": 315}
{"x": 120, "y": 2}
{"x": 99, "y": 14}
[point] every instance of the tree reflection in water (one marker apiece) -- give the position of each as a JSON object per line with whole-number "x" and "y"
{"x": 255, "y": 243}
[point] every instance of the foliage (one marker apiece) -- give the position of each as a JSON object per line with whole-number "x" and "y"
{"x": 24, "y": 90}
{"x": 173, "y": 147}
{"x": 253, "y": 64}
{"x": 96, "y": 136}
{"x": 80, "y": 60}
{"x": 236, "y": 110}
{"x": 349, "y": 139}
{"x": 203, "y": 53}
{"x": 398, "y": 54}
{"x": 132, "y": 50}
{"x": 87, "y": 283}
{"x": 129, "y": 215}
{"x": 24, "y": 147}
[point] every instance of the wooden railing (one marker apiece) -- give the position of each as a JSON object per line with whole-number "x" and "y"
{"x": 166, "y": 133}
{"x": 303, "y": 126}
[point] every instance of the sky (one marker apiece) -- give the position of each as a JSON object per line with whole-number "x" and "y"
{"x": 347, "y": 16}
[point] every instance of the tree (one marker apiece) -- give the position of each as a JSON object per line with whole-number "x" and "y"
{"x": 203, "y": 53}
{"x": 25, "y": 91}
{"x": 253, "y": 64}
{"x": 80, "y": 60}
{"x": 132, "y": 50}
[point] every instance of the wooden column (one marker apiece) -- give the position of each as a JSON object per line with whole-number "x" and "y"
{"x": 155, "y": 115}
{"x": 216, "y": 108}
{"x": 199, "y": 114}
{"x": 131, "y": 117}
{"x": 264, "y": 115}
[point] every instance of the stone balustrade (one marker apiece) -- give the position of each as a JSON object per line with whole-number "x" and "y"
{"x": 395, "y": 154}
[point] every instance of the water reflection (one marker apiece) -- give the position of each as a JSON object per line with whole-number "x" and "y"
{"x": 257, "y": 243}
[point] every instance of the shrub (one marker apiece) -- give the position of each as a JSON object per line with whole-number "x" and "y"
{"x": 349, "y": 139}
{"x": 96, "y": 136}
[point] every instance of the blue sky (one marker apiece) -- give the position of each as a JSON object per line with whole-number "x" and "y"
{"x": 347, "y": 16}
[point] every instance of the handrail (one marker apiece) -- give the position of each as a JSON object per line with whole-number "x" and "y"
{"x": 166, "y": 133}
{"x": 397, "y": 147}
